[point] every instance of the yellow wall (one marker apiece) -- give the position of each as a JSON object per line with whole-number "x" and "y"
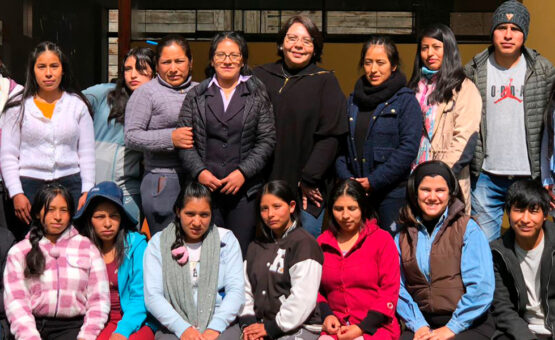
{"x": 343, "y": 58}
{"x": 542, "y": 27}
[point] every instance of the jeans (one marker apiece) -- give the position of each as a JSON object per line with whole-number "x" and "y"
{"x": 312, "y": 224}
{"x": 488, "y": 201}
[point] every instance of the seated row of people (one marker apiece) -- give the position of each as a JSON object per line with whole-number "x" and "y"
{"x": 437, "y": 277}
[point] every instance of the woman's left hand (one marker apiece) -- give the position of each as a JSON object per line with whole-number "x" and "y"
{"x": 82, "y": 200}
{"x": 254, "y": 332}
{"x": 349, "y": 332}
{"x": 442, "y": 333}
{"x": 232, "y": 182}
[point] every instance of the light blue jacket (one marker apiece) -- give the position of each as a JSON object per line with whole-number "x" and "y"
{"x": 476, "y": 272}
{"x": 114, "y": 161}
{"x": 231, "y": 286}
{"x": 130, "y": 287}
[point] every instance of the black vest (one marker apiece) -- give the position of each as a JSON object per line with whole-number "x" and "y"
{"x": 223, "y": 130}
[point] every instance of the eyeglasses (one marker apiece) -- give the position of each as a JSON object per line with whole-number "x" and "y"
{"x": 220, "y": 56}
{"x": 293, "y": 39}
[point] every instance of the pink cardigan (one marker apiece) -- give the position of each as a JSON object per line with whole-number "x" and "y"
{"x": 74, "y": 282}
{"x": 366, "y": 279}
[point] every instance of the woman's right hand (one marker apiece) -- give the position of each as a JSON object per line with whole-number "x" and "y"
{"x": 423, "y": 333}
{"x": 312, "y": 194}
{"x": 191, "y": 333}
{"x": 22, "y": 208}
{"x": 206, "y": 178}
{"x": 331, "y": 325}
{"x": 183, "y": 137}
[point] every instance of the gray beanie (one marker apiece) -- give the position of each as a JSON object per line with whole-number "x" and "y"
{"x": 512, "y": 12}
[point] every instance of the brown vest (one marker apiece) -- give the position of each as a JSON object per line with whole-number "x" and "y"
{"x": 442, "y": 294}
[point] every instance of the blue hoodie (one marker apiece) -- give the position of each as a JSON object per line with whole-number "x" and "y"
{"x": 130, "y": 287}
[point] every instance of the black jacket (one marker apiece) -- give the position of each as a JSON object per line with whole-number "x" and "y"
{"x": 258, "y": 137}
{"x": 310, "y": 118}
{"x": 510, "y": 297}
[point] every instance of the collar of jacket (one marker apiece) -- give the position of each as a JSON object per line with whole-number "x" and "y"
{"x": 202, "y": 89}
{"x": 67, "y": 234}
{"x": 327, "y": 239}
{"x": 310, "y": 70}
{"x": 481, "y": 58}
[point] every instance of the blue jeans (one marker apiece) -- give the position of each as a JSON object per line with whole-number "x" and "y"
{"x": 488, "y": 201}
{"x": 312, "y": 224}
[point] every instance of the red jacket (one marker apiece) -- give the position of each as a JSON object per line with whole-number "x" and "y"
{"x": 366, "y": 279}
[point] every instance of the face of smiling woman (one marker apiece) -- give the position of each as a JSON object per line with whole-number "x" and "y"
{"x": 297, "y": 46}
{"x": 433, "y": 197}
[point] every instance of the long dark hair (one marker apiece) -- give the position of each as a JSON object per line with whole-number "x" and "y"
{"x": 4, "y": 70}
{"x": 451, "y": 74}
{"x": 315, "y": 34}
{"x": 353, "y": 189}
{"x": 34, "y": 259}
{"x": 31, "y": 88}
{"x": 237, "y": 38}
{"x": 191, "y": 190}
{"x": 120, "y": 241}
{"x": 409, "y": 213}
{"x": 118, "y": 97}
{"x": 283, "y": 191}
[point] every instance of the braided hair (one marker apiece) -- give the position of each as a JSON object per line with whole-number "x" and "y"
{"x": 190, "y": 191}
{"x": 35, "y": 260}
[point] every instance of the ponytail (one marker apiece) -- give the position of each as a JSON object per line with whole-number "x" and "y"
{"x": 35, "y": 258}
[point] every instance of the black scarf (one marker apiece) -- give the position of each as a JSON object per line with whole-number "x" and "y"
{"x": 368, "y": 97}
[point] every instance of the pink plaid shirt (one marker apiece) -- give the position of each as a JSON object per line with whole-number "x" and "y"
{"x": 74, "y": 283}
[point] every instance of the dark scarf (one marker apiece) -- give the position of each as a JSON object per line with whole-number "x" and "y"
{"x": 368, "y": 97}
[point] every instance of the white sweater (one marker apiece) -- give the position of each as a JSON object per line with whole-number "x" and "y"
{"x": 48, "y": 149}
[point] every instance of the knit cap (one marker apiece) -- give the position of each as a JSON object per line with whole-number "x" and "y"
{"x": 512, "y": 12}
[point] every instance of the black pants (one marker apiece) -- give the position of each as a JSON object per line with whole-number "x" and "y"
{"x": 59, "y": 329}
{"x": 482, "y": 328}
{"x": 238, "y": 214}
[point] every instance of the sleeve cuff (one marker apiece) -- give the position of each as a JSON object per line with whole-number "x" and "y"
{"x": 272, "y": 329}
{"x": 15, "y": 190}
{"x": 455, "y": 327}
{"x": 247, "y": 320}
{"x": 217, "y": 324}
{"x": 547, "y": 181}
{"x": 372, "y": 322}
{"x": 417, "y": 324}
{"x": 325, "y": 310}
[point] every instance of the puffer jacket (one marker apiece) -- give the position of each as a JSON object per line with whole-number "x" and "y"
{"x": 539, "y": 77}
{"x": 510, "y": 297}
{"x": 258, "y": 137}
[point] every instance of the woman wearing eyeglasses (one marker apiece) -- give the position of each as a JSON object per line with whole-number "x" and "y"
{"x": 234, "y": 135}
{"x": 309, "y": 109}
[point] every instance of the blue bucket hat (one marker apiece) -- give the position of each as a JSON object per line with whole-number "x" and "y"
{"x": 111, "y": 192}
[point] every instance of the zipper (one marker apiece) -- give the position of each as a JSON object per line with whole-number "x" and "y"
{"x": 512, "y": 274}
{"x": 57, "y": 287}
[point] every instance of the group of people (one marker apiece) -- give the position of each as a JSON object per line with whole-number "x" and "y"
{"x": 237, "y": 176}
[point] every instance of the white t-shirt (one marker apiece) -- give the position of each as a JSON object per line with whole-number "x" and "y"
{"x": 194, "y": 262}
{"x": 531, "y": 270}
